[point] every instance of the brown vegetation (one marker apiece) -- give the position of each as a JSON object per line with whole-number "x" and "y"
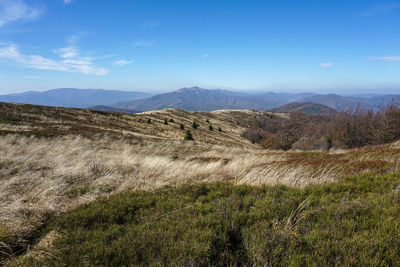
{"x": 346, "y": 129}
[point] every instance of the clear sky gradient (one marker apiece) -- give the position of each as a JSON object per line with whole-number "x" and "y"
{"x": 333, "y": 46}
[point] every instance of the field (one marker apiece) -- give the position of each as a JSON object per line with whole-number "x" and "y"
{"x": 74, "y": 181}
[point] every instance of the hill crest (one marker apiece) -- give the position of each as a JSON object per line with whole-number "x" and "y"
{"x": 306, "y": 107}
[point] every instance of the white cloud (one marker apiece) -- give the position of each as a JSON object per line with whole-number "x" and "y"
{"x": 73, "y": 39}
{"x": 68, "y": 60}
{"x": 123, "y": 62}
{"x": 13, "y": 10}
{"x": 386, "y": 59}
{"x": 204, "y": 55}
{"x": 67, "y": 2}
{"x": 326, "y": 64}
{"x": 143, "y": 43}
{"x": 150, "y": 24}
{"x": 67, "y": 52}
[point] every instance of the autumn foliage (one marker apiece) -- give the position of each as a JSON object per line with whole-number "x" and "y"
{"x": 347, "y": 129}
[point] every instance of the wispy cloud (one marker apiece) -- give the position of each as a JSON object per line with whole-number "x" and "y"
{"x": 380, "y": 8}
{"x": 143, "y": 43}
{"x": 386, "y": 59}
{"x": 66, "y": 52}
{"x": 150, "y": 24}
{"x": 205, "y": 55}
{"x": 67, "y": 2}
{"x": 123, "y": 62}
{"x": 69, "y": 60}
{"x": 13, "y": 10}
{"x": 73, "y": 39}
{"x": 326, "y": 64}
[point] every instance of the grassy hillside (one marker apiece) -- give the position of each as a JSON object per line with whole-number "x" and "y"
{"x": 54, "y": 160}
{"x": 352, "y": 222}
{"x": 42, "y": 121}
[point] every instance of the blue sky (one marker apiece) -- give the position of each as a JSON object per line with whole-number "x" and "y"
{"x": 272, "y": 45}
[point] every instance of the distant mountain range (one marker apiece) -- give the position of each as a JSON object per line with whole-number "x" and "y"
{"x": 349, "y": 102}
{"x": 70, "y": 97}
{"x": 194, "y": 99}
{"x": 198, "y": 99}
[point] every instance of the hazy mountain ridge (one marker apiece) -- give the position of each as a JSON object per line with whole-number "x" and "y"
{"x": 350, "y": 102}
{"x": 192, "y": 99}
{"x": 199, "y": 99}
{"x": 71, "y": 97}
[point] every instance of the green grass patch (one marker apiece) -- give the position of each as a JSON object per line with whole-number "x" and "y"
{"x": 81, "y": 190}
{"x": 352, "y": 222}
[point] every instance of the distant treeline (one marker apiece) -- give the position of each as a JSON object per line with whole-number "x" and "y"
{"x": 346, "y": 129}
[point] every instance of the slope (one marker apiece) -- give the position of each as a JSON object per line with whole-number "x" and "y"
{"x": 53, "y": 160}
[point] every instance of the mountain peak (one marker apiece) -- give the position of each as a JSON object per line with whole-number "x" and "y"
{"x": 190, "y": 89}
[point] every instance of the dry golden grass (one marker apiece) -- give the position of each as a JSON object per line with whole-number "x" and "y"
{"x": 42, "y": 175}
{"x": 51, "y": 121}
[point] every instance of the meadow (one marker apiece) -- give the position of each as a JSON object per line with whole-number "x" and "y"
{"x": 81, "y": 187}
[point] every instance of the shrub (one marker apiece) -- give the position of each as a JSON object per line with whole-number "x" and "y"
{"x": 188, "y": 136}
{"x": 271, "y": 141}
{"x": 165, "y": 121}
{"x": 149, "y": 121}
{"x": 210, "y": 128}
{"x": 329, "y": 142}
{"x": 310, "y": 143}
{"x": 207, "y": 121}
{"x": 182, "y": 127}
{"x": 195, "y": 125}
{"x": 219, "y": 129}
{"x": 171, "y": 120}
{"x": 254, "y": 135}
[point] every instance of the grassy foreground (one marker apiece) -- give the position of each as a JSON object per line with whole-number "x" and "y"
{"x": 355, "y": 221}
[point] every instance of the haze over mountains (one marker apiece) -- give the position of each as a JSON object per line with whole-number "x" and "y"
{"x": 193, "y": 99}
{"x": 198, "y": 99}
{"x": 71, "y": 97}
